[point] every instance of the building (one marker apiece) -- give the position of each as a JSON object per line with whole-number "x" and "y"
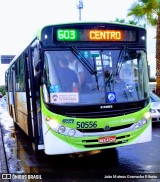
{"x": 4, "y": 63}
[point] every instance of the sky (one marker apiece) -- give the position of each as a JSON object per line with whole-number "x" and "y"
{"x": 20, "y": 19}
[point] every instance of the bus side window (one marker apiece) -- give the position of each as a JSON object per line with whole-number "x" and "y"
{"x": 37, "y": 79}
{"x": 46, "y": 72}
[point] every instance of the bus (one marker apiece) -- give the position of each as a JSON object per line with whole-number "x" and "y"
{"x": 91, "y": 91}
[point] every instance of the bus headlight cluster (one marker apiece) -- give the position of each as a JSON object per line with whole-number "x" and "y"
{"x": 142, "y": 122}
{"x": 55, "y": 126}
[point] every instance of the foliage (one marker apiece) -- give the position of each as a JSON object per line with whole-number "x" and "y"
{"x": 146, "y": 10}
{"x": 3, "y": 90}
{"x": 132, "y": 22}
{"x": 152, "y": 79}
{"x": 149, "y": 11}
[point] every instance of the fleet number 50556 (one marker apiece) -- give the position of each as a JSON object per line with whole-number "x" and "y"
{"x": 87, "y": 124}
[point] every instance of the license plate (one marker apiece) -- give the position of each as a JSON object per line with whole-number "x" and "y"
{"x": 107, "y": 139}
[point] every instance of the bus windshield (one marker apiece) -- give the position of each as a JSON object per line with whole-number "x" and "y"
{"x": 85, "y": 77}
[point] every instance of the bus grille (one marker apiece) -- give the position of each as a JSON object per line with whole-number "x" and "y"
{"x": 102, "y": 114}
{"x": 121, "y": 140}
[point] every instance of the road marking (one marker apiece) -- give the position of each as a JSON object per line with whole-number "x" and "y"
{"x": 157, "y": 136}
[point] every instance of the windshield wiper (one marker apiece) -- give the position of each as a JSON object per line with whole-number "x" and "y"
{"x": 120, "y": 59}
{"x": 83, "y": 60}
{"x": 118, "y": 68}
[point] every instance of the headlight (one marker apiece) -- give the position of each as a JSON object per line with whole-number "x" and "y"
{"x": 61, "y": 129}
{"x": 147, "y": 116}
{"x": 137, "y": 125}
{"x": 53, "y": 124}
{"x": 153, "y": 110}
{"x": 71, "y": 132}
{"x": 144, "y": 121}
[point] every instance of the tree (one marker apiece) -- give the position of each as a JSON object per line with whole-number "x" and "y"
{"x": 120, "y": 20}
{"x": 2, "y": 90}
{"x": 132, "y": 22}
{"x": 149, "y": 11}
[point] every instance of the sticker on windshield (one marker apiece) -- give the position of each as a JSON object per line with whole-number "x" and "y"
{"x": 111, "y": 97}
{"x": 54, "y": 88}
{"x": 95, "y": 53}
{"x": 85, "y": 54}
{"x": 64, "y": 97}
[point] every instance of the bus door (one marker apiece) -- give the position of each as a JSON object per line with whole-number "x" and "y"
{"x": 28, "y": 96}
{"x": 32, "y": 95}
{"x": 8, "y": 93}
{"x": 12, "y": 93}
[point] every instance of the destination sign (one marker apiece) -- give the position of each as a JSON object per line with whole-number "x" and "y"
{"x": 80, "y": 35}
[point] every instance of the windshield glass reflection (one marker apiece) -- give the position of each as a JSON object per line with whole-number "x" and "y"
{"x": 95, "y": 76}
